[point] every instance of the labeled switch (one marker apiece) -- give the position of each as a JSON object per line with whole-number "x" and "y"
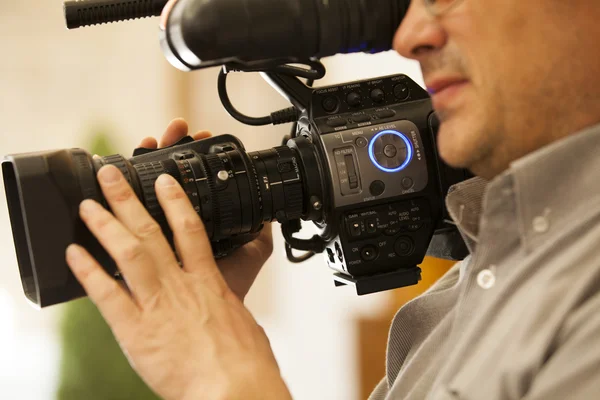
{"x": 348, "y": 170}
{"x": 355, "y": 229}
{"x": 361, "y": 117}
{"x": 351, "y": 168}
{"x": 385, "y": 113}
{"x": 371, "y": 225}
{"x": 334, "y": 123}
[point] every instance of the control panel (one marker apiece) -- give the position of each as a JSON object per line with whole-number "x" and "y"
{"x": 374, "y": 151}
{"x": 347, "y": 102}
{"x": 393, "y": 234}
{"x": 376, "y": 162}
{"x": 379, "y": 175}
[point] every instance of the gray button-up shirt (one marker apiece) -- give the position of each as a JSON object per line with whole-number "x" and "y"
{"x": 520, "y": 317}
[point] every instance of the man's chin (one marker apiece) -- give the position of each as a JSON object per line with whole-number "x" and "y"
{"x": 456, "y": 148}
{"x": 448, "y": 145}
{"x": 460, "y": 157}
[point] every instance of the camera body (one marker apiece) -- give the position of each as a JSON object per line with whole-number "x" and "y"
{"x": 366, "y": 161}
{"x": 386, "y": 183}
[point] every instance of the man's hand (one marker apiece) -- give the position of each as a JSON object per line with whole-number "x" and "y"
{"x": 241, "y": 268}
{"x": 184, "y": 330}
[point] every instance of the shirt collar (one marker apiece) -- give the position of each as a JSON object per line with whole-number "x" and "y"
{"x": 551, "y": 188}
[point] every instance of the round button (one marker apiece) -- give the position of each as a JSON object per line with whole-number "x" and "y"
{"x": 368, "y": 253}
{"x": 377, "y": 95}
{"x": 407, "y": 183}
{"x": 390, "y": 151}
{"x": 377, "y": 188}
{"x": 330, "y": 104}
{"x": 223, "y": 175}
{"x": 404, "y": 246}
{"x": 541, "y": 224}
{"x": 354, "y": 99}
{"x": 401, "y": 91}
{"x": 361, "y": 142}
{"x": 486, "y": 279}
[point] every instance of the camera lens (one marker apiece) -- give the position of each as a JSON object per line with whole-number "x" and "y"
{"x": 234, "y": 193}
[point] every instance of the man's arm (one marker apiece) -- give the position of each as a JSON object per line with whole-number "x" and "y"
{"x": 573, "y": 369}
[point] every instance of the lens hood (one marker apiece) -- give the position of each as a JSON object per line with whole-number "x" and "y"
{"x": 43, "y": 191}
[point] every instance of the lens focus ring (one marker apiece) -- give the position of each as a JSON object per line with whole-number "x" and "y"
{"x": 120, "y": 162}
{"x": 148, "y": 173}
{"x": 126, "y": 169}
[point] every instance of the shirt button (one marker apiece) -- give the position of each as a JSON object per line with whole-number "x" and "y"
{"x": 541, "y": 225}
{"x": 486, "y": 279}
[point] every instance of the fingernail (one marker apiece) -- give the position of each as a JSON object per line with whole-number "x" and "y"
{"x": 88, "y": 207}
{"x": 73, "y": 253}
{"x": 165, "y": 180}
{"x": 109, "y": 174}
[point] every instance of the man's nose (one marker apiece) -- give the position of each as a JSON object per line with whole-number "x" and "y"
{"x": 419, "y": 33}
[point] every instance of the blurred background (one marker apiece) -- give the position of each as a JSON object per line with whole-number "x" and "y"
{"x": 104, "y": 89}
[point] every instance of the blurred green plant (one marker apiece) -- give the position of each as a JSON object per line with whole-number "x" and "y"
{"x": 93, "y": 367}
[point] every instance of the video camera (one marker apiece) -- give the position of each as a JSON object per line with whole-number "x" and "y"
{"x": 360, "y": 162}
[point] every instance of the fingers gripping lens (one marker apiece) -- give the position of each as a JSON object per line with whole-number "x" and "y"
{"x": 232, "y": 191}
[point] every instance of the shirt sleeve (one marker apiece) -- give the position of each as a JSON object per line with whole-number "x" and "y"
{"x": 572, "y": 370}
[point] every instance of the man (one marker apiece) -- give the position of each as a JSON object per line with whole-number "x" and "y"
{"x": 516, "y": 84}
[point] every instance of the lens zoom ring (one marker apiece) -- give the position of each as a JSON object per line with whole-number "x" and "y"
{"x": 148, "y": 173}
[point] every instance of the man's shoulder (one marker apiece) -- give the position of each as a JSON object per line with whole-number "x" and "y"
{"x": 451, "y": 278}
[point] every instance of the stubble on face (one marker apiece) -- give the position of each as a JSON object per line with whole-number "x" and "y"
{"x": 534, "y": 69}
{"x": 468, "y": 134}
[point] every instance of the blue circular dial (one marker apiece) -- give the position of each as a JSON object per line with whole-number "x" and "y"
{"x": 390, "y": 151}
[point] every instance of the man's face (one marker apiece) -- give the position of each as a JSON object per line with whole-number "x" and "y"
{"x": 506, "y": 76}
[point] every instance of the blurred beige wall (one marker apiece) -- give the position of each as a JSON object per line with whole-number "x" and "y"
{"x": 56, "y": 85}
